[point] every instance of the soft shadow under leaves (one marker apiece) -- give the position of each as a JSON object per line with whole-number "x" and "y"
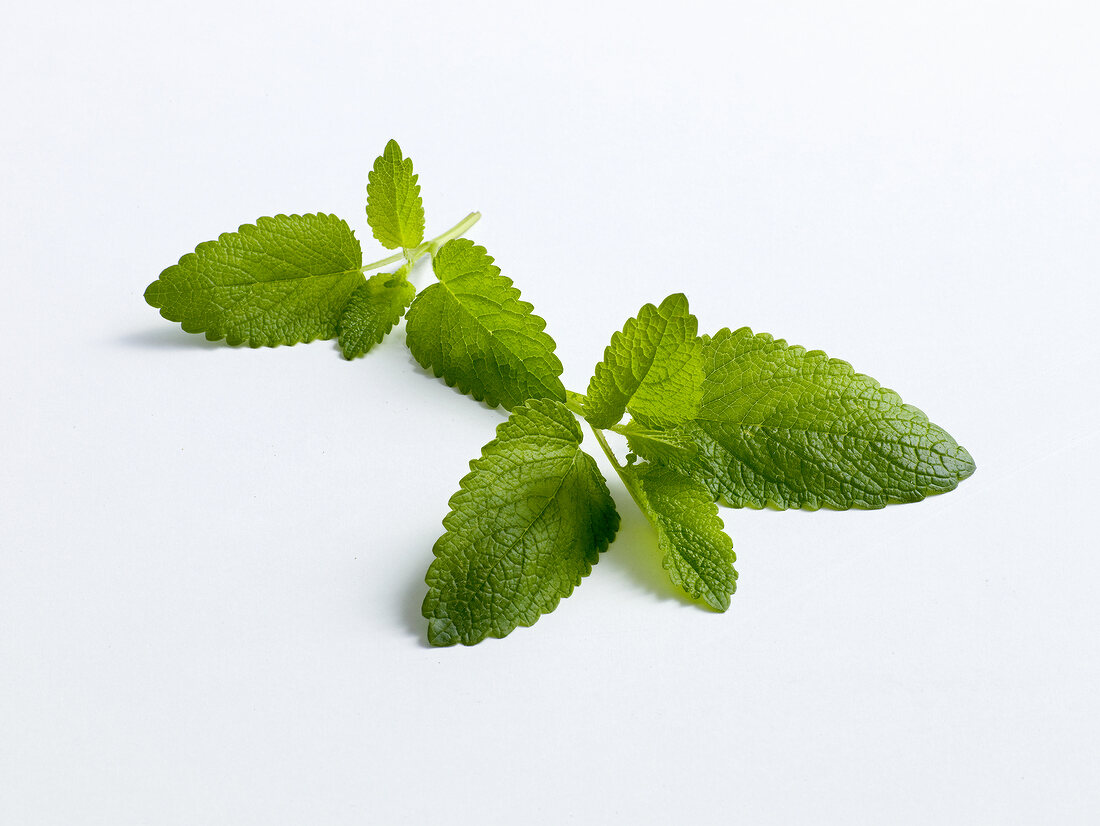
{"x": 169, "y": 338}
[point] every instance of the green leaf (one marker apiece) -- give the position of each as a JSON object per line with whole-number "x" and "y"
{"x": 472, "y": 330}
{"x": 528, "y": 522}
{"x": 394, "y": 209}
{"x": 666, "y": 446}
{"x": 652, "y": 368}
{"x": 374, "y": 308}
{"x": 795, "y": 429}
{"x": 282, "y": 280}
{"x": 697, "y": 553}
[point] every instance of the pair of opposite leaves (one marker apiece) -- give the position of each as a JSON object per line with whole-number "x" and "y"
{"x": 737, "y": 417}
{"x": 740, "y": 418}
{"x": 290, "y": 279}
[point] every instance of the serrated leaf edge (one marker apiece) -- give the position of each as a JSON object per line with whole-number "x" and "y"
{"x": 529, "y": 310}
{"x": 381, "y": 334}
{"x": 712, "y": 599}
{"x": 225, "y": 238}
{"x": 393, "y": 155}
{"x": 463, "y": 487}
{"x": 617, "y": 338}
{"x": 814, "y": 502}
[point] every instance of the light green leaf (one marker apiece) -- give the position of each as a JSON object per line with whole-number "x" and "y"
{"x": 374, "y": 308}
{"x": 696, "y": 552}
{"x": 666, "y": 446}
{"x": 282, "y": 280}
{"x": 651, "y": 368}
{"x": 472, "y": 330}
{"x": 394, "y": 209}
{"x": 528, "y": 522}
{"x": 795, "y": 429}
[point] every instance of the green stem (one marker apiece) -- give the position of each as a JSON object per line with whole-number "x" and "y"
{"x": 432, "y": 246}
{"x": 454, "y": 232}
{"x": 628, "y": 481}
{"x": 606, "y": 448}
{"x": 376, "y": 265}
{"x": 575, "y": 402}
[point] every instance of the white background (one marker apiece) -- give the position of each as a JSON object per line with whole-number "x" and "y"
{"x": 212, "y": 558}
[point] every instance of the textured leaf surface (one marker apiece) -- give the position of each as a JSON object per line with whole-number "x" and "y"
{"x": 527, "y": 523}
{"x": 394, "y": 209}
{"x": 783, "y": 426}
{"x": 696, "y": 552}
{"x": 374, "y": 308}
{"x": 282, "y": 280}
{"x": 667, "y": 446}
{"x": 652, "y": 368}
{"x": 473, "y": 330}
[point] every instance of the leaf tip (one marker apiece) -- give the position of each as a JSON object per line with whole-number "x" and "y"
{"x": 152, "y": 294}
{"x": 675, "y": 301}
{"x": 965, "y": 465}
{"x": 442, "y": 633}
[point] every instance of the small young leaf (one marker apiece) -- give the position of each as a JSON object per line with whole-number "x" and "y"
{"x": 374, "y": 308}
{"x": 528, "y": 522}
{"x": 472, "y": 330}
{"x": 394, "y": 209}
{"x": 779, "y": 425}
{"x": 665, "y": 446}
{"x": 652, "y": 368}
{"x": 697, "y": 553}
{"x": 282, "y": 280}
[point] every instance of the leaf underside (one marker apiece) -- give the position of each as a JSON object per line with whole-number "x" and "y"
{"x": 472, "y": 330}
{"x": 792, "y": 428}
{"x": 282, "y": 280}
{"x": 528, "y": 522}
{"x": 665, "y": 446}
{"x": 373, "y": 310}
{"x": 696, "y": 552}
{"x": 395, "y": 211}
{"x": 652, "y": 368}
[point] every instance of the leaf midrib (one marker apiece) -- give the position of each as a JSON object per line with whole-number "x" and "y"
{"x": 479, "y": 589}
{"x": 306, "y": 277}
{"x": 648, "y": 367}
{"x": 492, "y": 333}
{"x": 687, "y": 529}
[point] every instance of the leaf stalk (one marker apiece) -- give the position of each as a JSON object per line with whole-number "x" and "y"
{"x": 433, "y": 246}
